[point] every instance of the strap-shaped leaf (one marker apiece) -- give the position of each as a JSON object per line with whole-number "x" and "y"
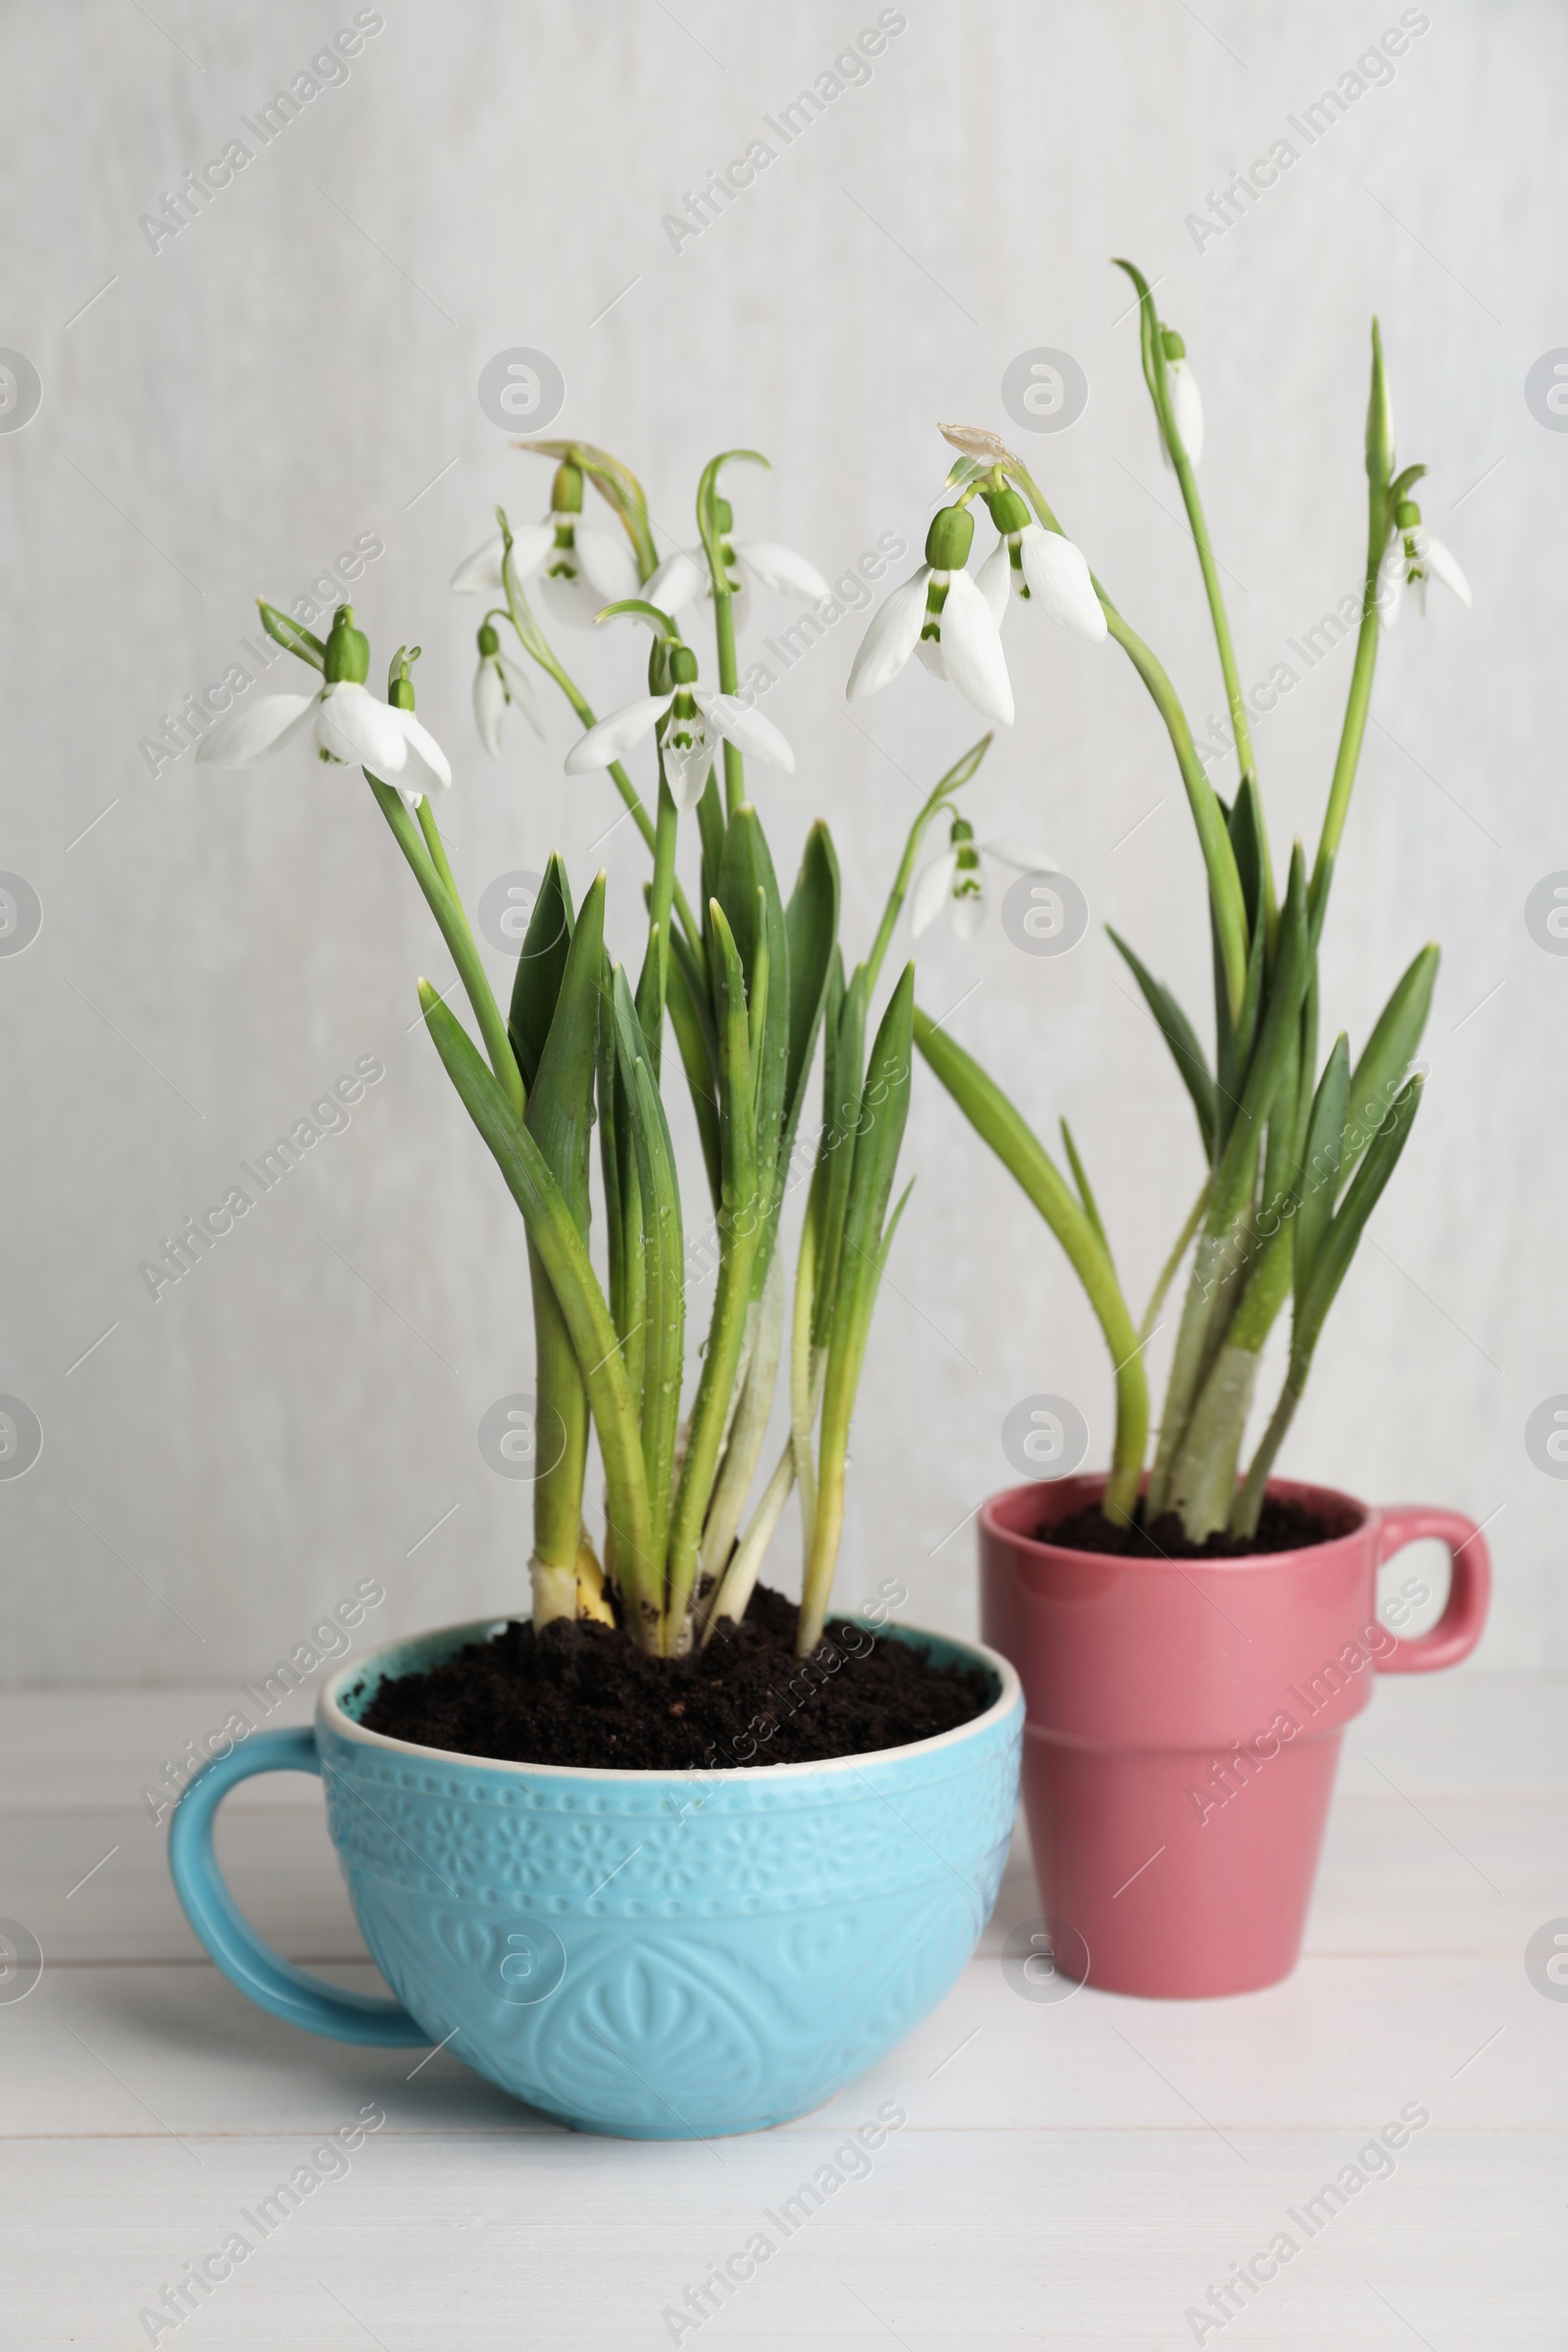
{"x": 1380, "y": 1072}
{"x": 1319, "y": 1183}
{"x": 1332, "y": 1260}
{"x": 836, "y": 1149}
{"x": 1277, "y": 1032}
{"x": 540, "y": 966}
{"x": 691, "y": 1015}
{"x": 287, "y": 632}
{"x": 561, "y": 1094}
{"x": 1180, "y": 1036}
{"x": 1080, "y": 1177}
{"x": 737, "y": 1132}
{"x": 554, "y": 1231}
{"x": 748, "y": 893}
{"x": 664, "y": 1257}
{"x": 812, "y": 921}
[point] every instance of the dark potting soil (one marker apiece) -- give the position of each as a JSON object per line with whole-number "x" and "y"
{"x": 1280, "y": 1527}
{"x": 584, "y": 1694}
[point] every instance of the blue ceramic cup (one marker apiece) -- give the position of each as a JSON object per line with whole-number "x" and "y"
{"x": 662, "y": 1955}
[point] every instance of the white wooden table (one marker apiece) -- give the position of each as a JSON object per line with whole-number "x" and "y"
{"x": 1071, "y": 2173}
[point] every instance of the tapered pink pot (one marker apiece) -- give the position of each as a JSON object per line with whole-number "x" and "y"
{"x": 1183, "y": 1725}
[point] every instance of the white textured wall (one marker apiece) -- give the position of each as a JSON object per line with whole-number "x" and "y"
{"x": 295, "y": 368}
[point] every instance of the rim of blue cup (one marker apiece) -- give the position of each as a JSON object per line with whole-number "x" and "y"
{"x": 334, "y": 1715}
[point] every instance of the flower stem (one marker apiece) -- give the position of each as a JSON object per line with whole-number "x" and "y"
{"x": 728, "y": 680}
{"x": 1220, "y": 858}
{"x": 423, "y": 847}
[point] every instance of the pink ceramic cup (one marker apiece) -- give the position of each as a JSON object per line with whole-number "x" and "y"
{"x": 1183, "y": 1725}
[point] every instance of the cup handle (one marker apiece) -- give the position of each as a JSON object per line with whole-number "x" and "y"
{"x": 1464, "y": 1615}
{"x": 271, "y": 1981}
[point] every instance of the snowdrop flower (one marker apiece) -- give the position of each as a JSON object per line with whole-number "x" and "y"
{"x": 683, "y": 578}
{"x": 1040, "y": 566}
{"x": 583, "y": 569}
{"x": 1411, "y": 559}
{"x": 1185, "y": 408}
{"x": 349, "y": 727}
{"x": 692, "y": 723}
{"x": 940, "y": 614}
{"x": 954, "y": 880}
{"x": 499, "y": 683}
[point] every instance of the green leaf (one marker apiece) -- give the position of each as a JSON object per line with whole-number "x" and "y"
{"x": 1320, "y": 1162}
{"x": 1178, "y": 1035}
{"x": 1389, "y": 1050}
{"x": 812, "y": 922}
{"x": 1331, "y": 1260}
{"x": 748, "y": 893}
{"x": 1080, "y": 1177}
{"x": 540, "y": 966}
{"x": 561, "y": 1095}
{"x": 737, "y": 1132}
{"x": 1277, "y": 1034}
{"x": 663, "y": 1256}
{"x": 844, "y": 1072}
{"x": 552, "y": 1230}
{"x": 1247, "y": 840}
{"x": 691, "y": 1015}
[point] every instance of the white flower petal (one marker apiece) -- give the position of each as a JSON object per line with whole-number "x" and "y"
{"x": 994, "y": 580}
{"x": 973, "y": 649}
{"x": 1187, "y": 411}
{"x": 1442, "y": 566}
{"x": 426, "y": 768}
{"x": 616, "y": 734}
{"x": 748, "y": 730}
{"x": 891, "y": 639}
{"x": 781, "y": 568}
{"x": 929, "y": 653}
{"x": 531, "y": 545}
{"x": 520, "y": 692}
{"x": 353, "y": 727}
{"x": 930, "y": 893}
{"x": 1390, "y": 582}
{"x": 255, "y": 729}
{"x": 967, "y": 913}
{"x": 1059, "y": 580}
{"x": 686, "y": 765}
{"x": 608, "y": 563}
{"x": 480, "y": 571}
{"x": 1026, "y": 855}
{"x": 489, "y": 702}
{"x": 678, "y": 583}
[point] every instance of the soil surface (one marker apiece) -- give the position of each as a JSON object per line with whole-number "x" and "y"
{"x": 1280, "y": 1527}
{"x": 584, "y": 1694}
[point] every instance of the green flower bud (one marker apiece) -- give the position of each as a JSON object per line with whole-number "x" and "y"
{"x": 948, "y": 540}
{"x": 959, "y": 832}
{"x": 348, "y": 651}
{"x": 1009, "y": 511}
{"x": 723, "y": 516}
{"x": 565, "y": 491}
{"x": 683, "y": 665}
{"x": 489, "y": 642}
{"x": 1407, "y": 515}
{"x": 400, "y": 694}
{"x": 1175, "y": 348}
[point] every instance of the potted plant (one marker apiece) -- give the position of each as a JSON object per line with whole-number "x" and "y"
{"x": 1194, "y": 1636}
{"x": 672, "y": 1857}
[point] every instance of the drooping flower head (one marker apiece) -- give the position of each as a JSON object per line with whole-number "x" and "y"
{"x": 582, "y": 567}
{"x": 1412, "y": 559}
{"x": 940, "y": 614}
{"x": 954, "y": 883}
{"x": 500, "y": 685}
{"x": 689, "y": 723}
{"x": 1040, "y": 566}
{"x": 683, "y": 578}
{"x": 350, "y": 728}
{"x": 1186, "y": 406}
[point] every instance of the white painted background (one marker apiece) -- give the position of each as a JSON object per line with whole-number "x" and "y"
{"x": 296, "y": 367}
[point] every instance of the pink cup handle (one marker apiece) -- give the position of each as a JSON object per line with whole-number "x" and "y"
{"x": 1459, "y": 1627}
